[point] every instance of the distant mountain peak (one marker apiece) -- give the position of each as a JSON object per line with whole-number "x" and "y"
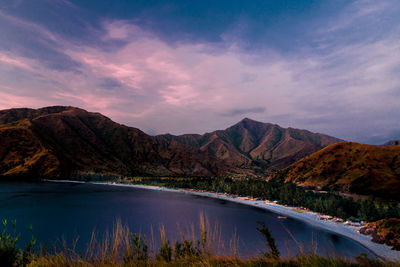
{"x": 392, "y": 143}
{"x": 248, "y": 120}
{"x": 257, "y": 145}
{"x": 248, "y": 123}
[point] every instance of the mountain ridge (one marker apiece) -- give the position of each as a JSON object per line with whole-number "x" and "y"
{"x": 253, "y": 144}
{"x": 60, "y": 141}
{"x": 89, "y": 142}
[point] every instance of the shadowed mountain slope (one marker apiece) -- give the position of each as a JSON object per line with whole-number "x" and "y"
{"x": 250, "y": 144}
{"x": 61, "y": 141}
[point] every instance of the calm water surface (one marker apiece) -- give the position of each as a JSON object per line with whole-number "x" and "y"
{"x": 72, "y": 210}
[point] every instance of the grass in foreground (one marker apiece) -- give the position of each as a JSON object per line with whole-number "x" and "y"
{"x": 314, "y": 260}
{"x": 122, "y": 248}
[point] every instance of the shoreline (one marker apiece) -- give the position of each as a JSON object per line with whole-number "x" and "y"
{"x": 380, "y": 250}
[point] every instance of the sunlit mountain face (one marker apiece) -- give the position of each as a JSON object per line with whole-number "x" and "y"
{"x": 193, "y": 67}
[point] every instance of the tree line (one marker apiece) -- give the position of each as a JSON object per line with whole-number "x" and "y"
{"x": 288, "y": 194}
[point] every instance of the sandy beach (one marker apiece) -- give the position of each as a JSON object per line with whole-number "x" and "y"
{"x": 312, "y": 218}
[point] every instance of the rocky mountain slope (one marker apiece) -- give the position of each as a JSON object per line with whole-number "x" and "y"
{"x": 250, "y": 144}
{"x": 59, "y": 141}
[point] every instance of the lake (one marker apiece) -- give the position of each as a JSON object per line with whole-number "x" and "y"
{"x": 73, "y": 211}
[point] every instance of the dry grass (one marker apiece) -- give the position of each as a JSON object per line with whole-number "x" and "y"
{"x": 121, "y": 248}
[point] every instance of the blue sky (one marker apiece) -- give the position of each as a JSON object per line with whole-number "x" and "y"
{"x": 196, "y": 66}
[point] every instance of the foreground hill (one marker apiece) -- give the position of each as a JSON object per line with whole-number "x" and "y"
{"x": 255, "y": 145}
{"x": 61, "y": 141}
{"x": 352, "y": 168}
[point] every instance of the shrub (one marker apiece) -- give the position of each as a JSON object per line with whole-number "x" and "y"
{"x": 10, "y": 254}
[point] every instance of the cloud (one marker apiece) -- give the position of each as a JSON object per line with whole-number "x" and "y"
{"x": 14, "y": 61}
{"x": 131, "y": 75}
{"x": 11, "y": 100}
{"x": 32, "y": 41}
{"x": 109, "y": 83}
{"x": 358, "y": 12}
{"x": 242, "y": 111}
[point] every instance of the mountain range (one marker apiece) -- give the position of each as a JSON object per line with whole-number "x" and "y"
{"x": 56, "y": 142}
{"x": 65, "y": 142}
{"x": 59, "y": 142}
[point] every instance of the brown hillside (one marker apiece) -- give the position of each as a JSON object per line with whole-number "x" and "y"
{"x": 60, "y": 141}
{"x": 255, "y": 145}
{"x": 23, "y": 155}
{"x": 351, "y": 167}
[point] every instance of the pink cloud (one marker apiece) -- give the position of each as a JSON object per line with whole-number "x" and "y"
{"x": 16, "y": 61}
{"x": 12, "y": 101}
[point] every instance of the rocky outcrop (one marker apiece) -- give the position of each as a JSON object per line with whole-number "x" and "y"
{"x": 385, "y": 231}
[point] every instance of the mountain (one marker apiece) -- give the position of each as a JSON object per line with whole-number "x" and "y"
{"x": 60, "y": 142}
{"x": 351, "y": 168}
{"x": 250, "y": 144}
{"x": 392, "y": 143}
{"x": 56, "y": 142}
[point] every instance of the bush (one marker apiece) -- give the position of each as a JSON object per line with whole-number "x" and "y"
{"x": 10, "y": 254}
{"x": 8, "y": 246}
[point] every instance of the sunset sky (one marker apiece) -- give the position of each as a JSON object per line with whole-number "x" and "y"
{"x": 197, "y": 66}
